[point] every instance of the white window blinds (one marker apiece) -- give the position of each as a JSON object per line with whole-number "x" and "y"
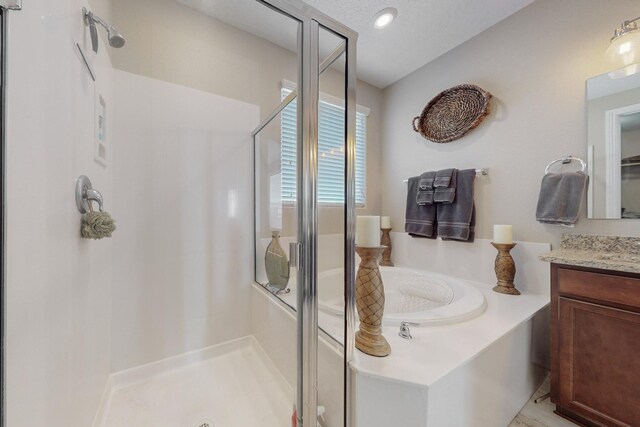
{"x": 330, "y": 153}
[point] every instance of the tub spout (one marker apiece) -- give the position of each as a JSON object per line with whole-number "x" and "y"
{"x": 405, "y": 332}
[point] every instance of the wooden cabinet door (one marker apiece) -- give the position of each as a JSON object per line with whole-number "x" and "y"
{"x": 599, "y": 363}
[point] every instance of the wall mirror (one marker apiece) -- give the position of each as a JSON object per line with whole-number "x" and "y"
{"x": 613, "y": 126}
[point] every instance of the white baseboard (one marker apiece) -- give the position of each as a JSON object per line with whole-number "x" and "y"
{"x": 142, "y": 372}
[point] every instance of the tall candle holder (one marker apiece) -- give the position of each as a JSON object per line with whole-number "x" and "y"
{"x": 370, "y": 303}
{"x": 505, "y": 269}
{"x": 385, "y": 240}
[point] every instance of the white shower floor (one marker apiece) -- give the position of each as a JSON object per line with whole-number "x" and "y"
{"x": 238, "y": 388}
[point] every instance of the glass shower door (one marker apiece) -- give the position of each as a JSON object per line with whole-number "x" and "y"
{"x": 305, "y": 199}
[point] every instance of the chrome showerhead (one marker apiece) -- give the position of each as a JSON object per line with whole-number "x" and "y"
{"x": 115, "y": 38}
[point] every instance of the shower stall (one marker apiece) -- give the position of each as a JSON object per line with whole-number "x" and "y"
{"x": 215, "y": 126}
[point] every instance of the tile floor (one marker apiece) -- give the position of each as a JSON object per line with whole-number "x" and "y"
{"x": 220, "y": 389}
{"x": 540, "y": 414}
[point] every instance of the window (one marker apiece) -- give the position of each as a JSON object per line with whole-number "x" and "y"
{"x": 330, "y": 152}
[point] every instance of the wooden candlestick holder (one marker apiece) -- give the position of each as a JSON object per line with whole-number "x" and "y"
{"x": 370, "y": 303}
{"x": 385, "y": 240}
{"x": 505, "y": 269}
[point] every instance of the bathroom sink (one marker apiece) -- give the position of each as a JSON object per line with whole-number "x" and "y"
{"x": 619, "y": 257}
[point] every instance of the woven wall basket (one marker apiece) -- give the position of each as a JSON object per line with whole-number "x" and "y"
{"x": 453, "y": 113}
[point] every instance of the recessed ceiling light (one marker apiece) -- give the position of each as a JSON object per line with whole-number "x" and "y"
{"x": 385, "y": 17}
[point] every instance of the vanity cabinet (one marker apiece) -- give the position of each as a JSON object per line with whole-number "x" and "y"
{"x": 595, "y": 345}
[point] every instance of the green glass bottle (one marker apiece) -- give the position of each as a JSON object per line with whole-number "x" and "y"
{"x": 276, "y": 264}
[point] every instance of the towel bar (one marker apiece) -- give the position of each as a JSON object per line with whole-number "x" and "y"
{"x": 567, "y": 160}
{"x": 479, "y": 172}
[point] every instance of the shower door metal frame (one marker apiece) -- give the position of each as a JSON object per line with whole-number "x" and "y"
{"x": 3, "y": 169}
{"x": 311, "y": 21}
{"x": 4, "y": 8}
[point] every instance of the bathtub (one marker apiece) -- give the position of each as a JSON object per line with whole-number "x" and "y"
{"x": 479, "y": 372}
{"x": 411, "y": 295}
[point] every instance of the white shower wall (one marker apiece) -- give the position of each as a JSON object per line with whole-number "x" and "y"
{"x": 58, "y": 285}
{"x": 184, "y": 202}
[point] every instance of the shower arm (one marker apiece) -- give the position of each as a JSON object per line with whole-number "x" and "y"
{"x": 90, "y": 17}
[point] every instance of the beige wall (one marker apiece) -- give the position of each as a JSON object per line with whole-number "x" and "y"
{"x": 102, "y": 8}
{"x": 535, "y": 63}
{"x": 630, "y": 143}
{"x": 169, "y": 41}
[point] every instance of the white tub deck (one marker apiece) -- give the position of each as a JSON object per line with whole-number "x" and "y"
{"x": 435, "y": 351}
{"x": 475, "y": 373}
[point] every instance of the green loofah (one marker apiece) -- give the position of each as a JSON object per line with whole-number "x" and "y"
{"x": 97, "y": 225}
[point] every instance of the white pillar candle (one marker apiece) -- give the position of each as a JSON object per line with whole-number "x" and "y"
{"x": 503, "y": 234}
{"x": 385, "y": 222}
{"x": 368, "y": 231}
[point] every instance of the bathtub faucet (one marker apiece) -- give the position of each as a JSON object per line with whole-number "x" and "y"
{"x": 405, "y": 332}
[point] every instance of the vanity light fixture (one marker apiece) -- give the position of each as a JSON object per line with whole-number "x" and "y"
{"x": 385, "y": 17}
{"x": 624, "y": 50}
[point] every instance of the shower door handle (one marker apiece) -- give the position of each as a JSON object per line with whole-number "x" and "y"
{"x": 295, "y": 255}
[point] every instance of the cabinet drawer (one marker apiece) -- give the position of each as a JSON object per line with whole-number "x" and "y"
{"x": 601, "y": 287}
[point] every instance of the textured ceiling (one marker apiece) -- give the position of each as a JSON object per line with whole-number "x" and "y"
{"x": 422, "y": 31}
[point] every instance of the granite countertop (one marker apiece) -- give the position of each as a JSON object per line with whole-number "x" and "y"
{"x": 604, "y": 252}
